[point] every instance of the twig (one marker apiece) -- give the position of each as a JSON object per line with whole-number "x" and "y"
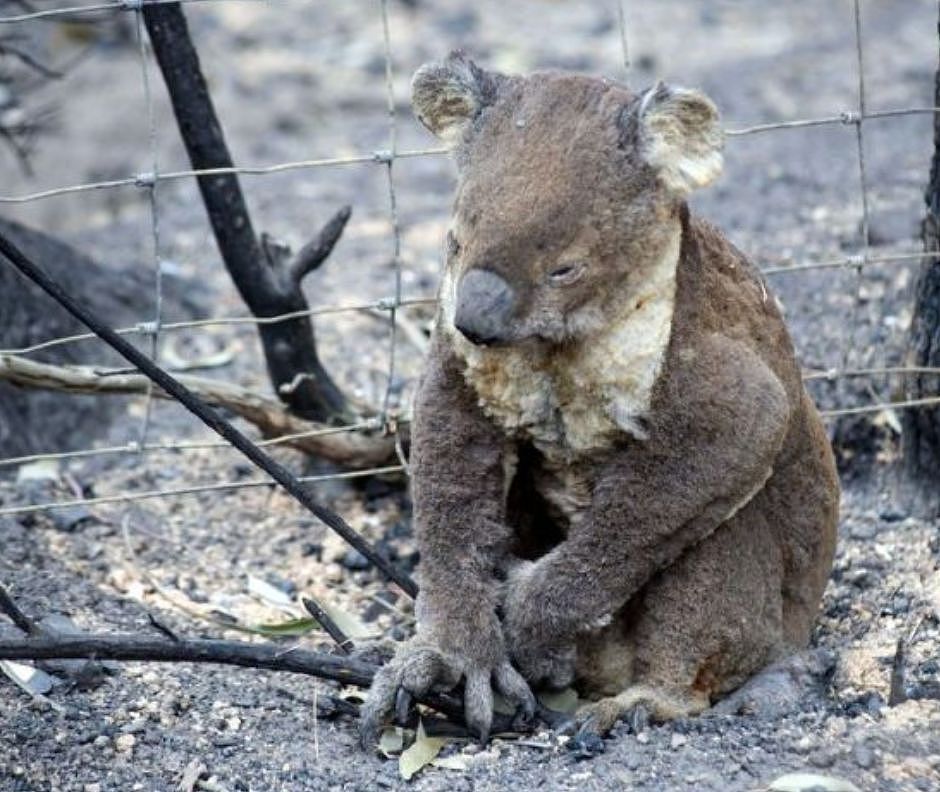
{"x": 20, "y": 619}
{"x": 349, "y": 449}
{"x": 343, "y": 641}
{"x": 315, "y": 252}
{"x": 206, "y": 414}
{"x": 897, "y": 694}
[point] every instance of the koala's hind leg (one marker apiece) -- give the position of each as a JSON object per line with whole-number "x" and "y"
{"x": 700, "y": 628}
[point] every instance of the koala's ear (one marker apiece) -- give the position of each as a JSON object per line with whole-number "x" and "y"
{"x": 448, "y": 95}
{"x": 680, "y": 136}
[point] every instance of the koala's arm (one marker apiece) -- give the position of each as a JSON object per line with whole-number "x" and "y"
{"x": 712, "y": 445}
{"x": 458, "y": 489}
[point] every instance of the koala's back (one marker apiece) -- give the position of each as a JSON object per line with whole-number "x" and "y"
{"x": 720, "y": 292}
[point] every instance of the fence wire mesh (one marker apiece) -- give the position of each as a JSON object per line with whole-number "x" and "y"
{"x": 389, "y": 417}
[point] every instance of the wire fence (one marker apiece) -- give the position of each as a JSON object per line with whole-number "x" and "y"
{"x": 389, "y": 418}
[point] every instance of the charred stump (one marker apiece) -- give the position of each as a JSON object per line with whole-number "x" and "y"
{"x": 921, "y": 438}
{"x": 266, "y": 276}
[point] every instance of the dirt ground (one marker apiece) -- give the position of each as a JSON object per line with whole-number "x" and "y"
{"x": 295, "y": 80}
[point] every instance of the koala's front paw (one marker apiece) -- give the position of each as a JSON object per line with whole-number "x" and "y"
{"x": 541, "y": 660}
{"x": 421, "y": 666}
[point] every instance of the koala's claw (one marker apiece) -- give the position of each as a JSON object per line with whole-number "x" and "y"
{"x": 403, "y": 702}
{"x": 418, "y": 668}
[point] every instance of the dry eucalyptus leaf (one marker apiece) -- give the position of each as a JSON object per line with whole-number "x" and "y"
{"x": 32, "y": 680}
{"x": 270, "y": 594}
{"x": 420, "y": 753}
{"x": 811, "y": 782}
{"x": 353, "y": 626}
{"x": 392, "y": 742}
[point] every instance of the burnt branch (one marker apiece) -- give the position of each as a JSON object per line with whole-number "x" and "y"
{"x": 343, "y": 642}
{"x": 315, "y": 252}
{"x": 20, "y": 619}
{"x": 206, "y": 414}
{"x": 289, "y": 347}
{"x": 921, "y": 429}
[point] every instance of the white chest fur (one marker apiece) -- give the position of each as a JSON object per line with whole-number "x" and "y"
{"x": 574, "y": 399}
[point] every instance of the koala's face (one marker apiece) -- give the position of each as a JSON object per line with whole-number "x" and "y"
{"x": 569, "y": 189}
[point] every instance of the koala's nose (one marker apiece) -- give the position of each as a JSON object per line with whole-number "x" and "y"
{"x": 484, "y": 306}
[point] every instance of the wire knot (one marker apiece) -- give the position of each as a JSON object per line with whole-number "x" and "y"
{"x": 145, "y": 179}
{"x": 383, "y": 155}
{"x": 850, "y": 117}
{"x": 855, "y": 260}
{"x": 147, "y": 328}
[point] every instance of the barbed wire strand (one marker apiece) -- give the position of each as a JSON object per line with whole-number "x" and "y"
{"x": 143, "y": 329}
{"x": 170, "y": 491}
{"x": 381, "y": 156}
{"x": 151, "y": 188}
{"x": 386, "y": 303}
{"x": 371, "y": 424}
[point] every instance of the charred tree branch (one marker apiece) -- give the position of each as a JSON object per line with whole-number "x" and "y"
{"x": 922, "y": 427}
{"x": 266, "y": 288}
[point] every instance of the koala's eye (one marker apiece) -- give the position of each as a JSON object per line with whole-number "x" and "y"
{"x": 453, "y": 246}
{"x": 566, "y": 274}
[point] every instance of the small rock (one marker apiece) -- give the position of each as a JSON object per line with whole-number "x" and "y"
{"x": 893, "y": 514}
{"x": 822, "y": 757}
{"x": 585, "y": 745}
{"x": 355, "y": 561}
{"x": 125, "y": 742}
{"x": 863, "y": 530}
{"x": 677, "y": 741}
{"x": 91, "y": 788}
{"x": 863, "y": 755}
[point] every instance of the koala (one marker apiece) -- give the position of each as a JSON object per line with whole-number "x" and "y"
{"x": 619, "y": 480}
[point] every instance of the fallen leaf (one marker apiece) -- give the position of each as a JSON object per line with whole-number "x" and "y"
{"x": 811, "y": 782}
{"x": 351, "y": 625}
{"x": 420, "y": 753}
{"x": 270, "y": 594}
{"x": 32, "y": 680}
{"x": 391, "y": 742}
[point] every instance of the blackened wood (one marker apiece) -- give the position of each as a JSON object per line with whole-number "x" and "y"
{"x": 921, "y": 438}
{"x": 267, "y": 288}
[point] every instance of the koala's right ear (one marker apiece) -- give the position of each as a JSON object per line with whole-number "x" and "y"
{"x": 446, "y": 96}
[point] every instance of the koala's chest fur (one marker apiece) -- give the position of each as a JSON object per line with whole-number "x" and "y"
{"x": 574, "y": 399}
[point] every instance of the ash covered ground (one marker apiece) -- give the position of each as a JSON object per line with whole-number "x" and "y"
{"x": 293, "y": 81}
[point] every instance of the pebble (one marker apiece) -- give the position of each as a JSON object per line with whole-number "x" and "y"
{"x": 863, "y": 530}
{"x": 125, "y": 742}
{"x": 355, "y": 561}
{"x": 822, "y": 757}
{"x": 677, "y": 741}
{"x": 863, "y": 756}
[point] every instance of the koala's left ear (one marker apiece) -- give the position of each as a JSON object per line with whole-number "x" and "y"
{"x": 680, "y": 136}
{"x": 448, "y": 95}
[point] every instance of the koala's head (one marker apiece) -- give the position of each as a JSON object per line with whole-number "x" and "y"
{"x": 569, "y": 191}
